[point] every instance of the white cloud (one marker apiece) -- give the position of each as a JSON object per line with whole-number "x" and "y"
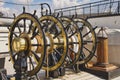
{"x": 9, "y": 11}
{"x": 57, "y": 4}
{"x": 64, "y": 3}
{"x": 4, "y": 10}
{"x": 1, "y": 3}
{"x": 67, "y": 3}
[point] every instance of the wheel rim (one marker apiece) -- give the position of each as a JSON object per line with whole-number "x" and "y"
{"x": 23, "y": 30}
{"x": 74, "y": 41}
{"x": 89, "y": 40}
{"x": 57, "y": 51}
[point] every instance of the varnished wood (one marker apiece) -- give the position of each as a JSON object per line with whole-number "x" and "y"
{"x": 102, "y": 51}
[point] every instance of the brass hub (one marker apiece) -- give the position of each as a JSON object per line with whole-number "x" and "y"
{"x": 21, "y": 43}
{"x": 49, "y": 41}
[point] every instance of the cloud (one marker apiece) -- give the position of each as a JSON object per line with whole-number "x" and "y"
{"x": 64, "y": 3}
{"x": 8, "y": 11}
{"x": 57, "y": 4}
{"x": 3, "y": 9}
{"x": 67, "y": 3}
{"x": 1, "y": 3}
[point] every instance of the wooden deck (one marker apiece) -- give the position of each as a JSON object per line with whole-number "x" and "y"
{"x": 70, "y": 75}
{"x": 76, "y": 76}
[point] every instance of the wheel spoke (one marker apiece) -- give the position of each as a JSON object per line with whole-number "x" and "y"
{"x": 57, "y": 52}
{"x": 72, "y": 34}
{"x": 72, "y": 50}
{"x": 19, "y": 28}
{"x": 52, "y": 28}
{"x": 36, "y": 56}
{"x": 86, "y": 34}
{"x": 31, "y": 62}
{"x": 57, "y": 34}
{"x": 24, "y": 25}
{"x": 36, "y": 33}
{"x": 14, "y": 34}
{"x": 32, "y": 66}
{"x": 58, "y": 43}
{"x": 83, "y": 54}
{"x": 96, "y": 56}
{"x": 71, "y": 43}
{"x": 71, "y": 31}
{"x": 34, "y": 30}
{"x": 47, "y": 45}
{"x": 86, "y": 41}
{"x": 87, "y": 49}
{"x": 54, "y": 58}
{"x": 67, "y": 27}
{"x": 30, "y": 27}
{"x": 36, "y": 45}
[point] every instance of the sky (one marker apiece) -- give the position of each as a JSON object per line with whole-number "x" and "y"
{"x": 9, "y": 9}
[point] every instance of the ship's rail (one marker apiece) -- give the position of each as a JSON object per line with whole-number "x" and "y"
{"x": 91, "y": 10}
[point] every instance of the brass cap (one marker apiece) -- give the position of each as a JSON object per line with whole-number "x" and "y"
{"x": 19, "y": 44}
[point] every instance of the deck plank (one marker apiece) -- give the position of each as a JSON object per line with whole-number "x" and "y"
{"x": 70, "y": 75}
